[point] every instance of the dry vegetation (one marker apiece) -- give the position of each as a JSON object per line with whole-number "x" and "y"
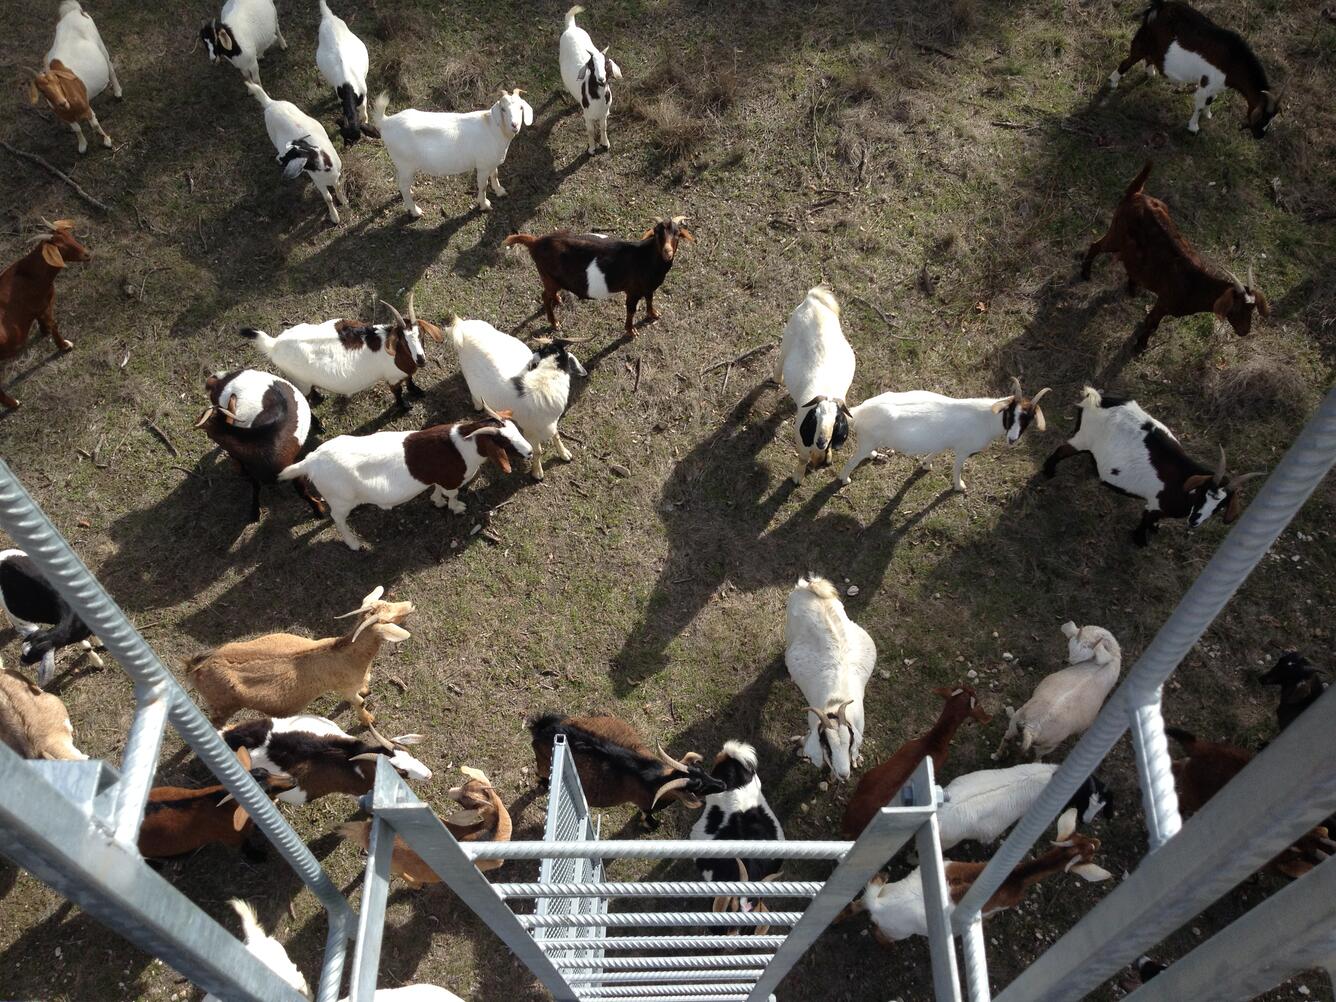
{"x": 942, "y": 166}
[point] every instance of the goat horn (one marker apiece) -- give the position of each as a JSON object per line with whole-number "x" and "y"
{"x": 542, "y": 342}
{"x": 667, "y": 788}
{"x": 1016, "y": 388}
{"x": 518, "y": 91}
{"x": 820, "y": 714}
{"x": 1220, "y": 470}
{"x": 1235, "y": 481}
{"x": 668, "y": 760}
{"x": 841, "y": 715}
{"x": 679, "y": 220}
{"x": 366, "y": 621}
{"x": 397, "y": 315}
{"x": 1238, "y": 284}
{"x": 571, "y": 340}
{"x": 1039, "y": 396}
{"x": 486, "y": 408}
{"x": 385, "y": 742}
{"x": 412, "y": 315}
{"x": 1250, "y": 276}
{"x": 204, "y": 418}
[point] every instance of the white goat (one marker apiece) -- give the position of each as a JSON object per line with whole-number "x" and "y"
{"x": 391, "y": 467}
{"x": 830, "y": 657}
{"x": 302, "y": 145}
{"x": 981, "y": 805}
{"x": 242, "y": 34}
{"x": 343, "y": 62}
{"x": 1068, "y": 701}
{"x": 817, "y": 365}
{"x": 77, "y": 68}
{"x": 920, "y": 423}
{"x": 534, "y": 386}
{"x": 585, "y": 70}
{"x": 442, "y": 143}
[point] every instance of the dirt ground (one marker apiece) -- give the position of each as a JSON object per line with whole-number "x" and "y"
{"x": 942, "y": 166}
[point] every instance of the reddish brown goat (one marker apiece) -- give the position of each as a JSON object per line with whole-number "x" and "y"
{"x": 596, "y": 267}
{"x": 1205, "y": 771}
{"x": 1160, "y": 258}
{"x": 28, "y": 292}
{"x": 878, "y": 786}
{"x": 67, "y": 97}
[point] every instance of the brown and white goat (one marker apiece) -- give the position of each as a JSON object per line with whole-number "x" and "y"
{"x": 263, "y": 423}
{"x": 1203, "y": 773}
{"x": 34, "y": 723}
{"x": 483, "y": 818}
{"x": 77, "y": 68}
{"x": 880, "y": 785}
{"x": 28, "y": 292}
{"x": 595, "y": 267}
{"x": 280, "y": 673}
{"x": 1188, "y": 47}
{"x": 1156, "y": 255}
{"x": 179, "y": 819}
{"x": 617, "y": 767}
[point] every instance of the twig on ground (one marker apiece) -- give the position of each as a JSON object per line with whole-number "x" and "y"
{"x": 163, "y": 436}
{"x": 58, "y": 173}
{"x": 728, "y": 371}
{"x": 740, "y": 358}
{"x": 927, "y": 47}
{"x": 636, "y": 387}
{"x": 884, "y": 318}
{"x": 1021, "y": 126}
{"x": 191, "y": 473}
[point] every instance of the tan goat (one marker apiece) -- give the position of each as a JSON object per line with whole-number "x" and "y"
{"x": 484, "y": 818}
{"x": 32, "y": 722}
{"x": 279, "y": 674}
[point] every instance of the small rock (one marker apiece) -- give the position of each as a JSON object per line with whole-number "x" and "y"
{"x": 823, "y": 786}
{"x": 960, "y": 658}
{"x": 971, "y": 674}
{"x": 1305, "y": 990}
{"x": 1008, "y": 656}
{"x": 804, "y": 808}
{"x": 885, "y": 674}
{"x": 852, "y": 590}
{"x": 1196, "y": 931}
{"x": 619, "y": 470}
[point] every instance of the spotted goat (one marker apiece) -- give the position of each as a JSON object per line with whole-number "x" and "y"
{"x": 77, "y": 68}
{"x": 242, "y": 33}
{"x": 41, "y": 617}
{"x": 585, "y": 70}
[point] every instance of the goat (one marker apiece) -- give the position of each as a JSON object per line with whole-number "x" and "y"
{"x": 35, "y": 723}
{"x": 76, "y": 69}
{"x": 830, "y": 658}
{"x": 1067, "y": 702}
{"x": 28, "y": 292}
{"x": 389, "y": 468}
{"x": 879, "y": 786}
{"x": 271, "y": 953}
{"x": 980, "y": 806}
{"x": 740, "y": 812}
{"x": 343, "y": 61}
{"x": 1300, "y": 685}
{"x": 897, "y": 910}
{"x": 596, "y": 267}
{"x": 178, "y": 820}
{"x": 585, "y": 70}
{"x": 280, "y": 673}
{"x": 443, "y": 143}
{"x": 484, "y": 818}
{"x": 302, "y": 146}
{"x": 1139, "y": 456}
{"x": 348, "y": 356}
{"x": 1204, "y": 771}
{"x": 1156, "y": 255}
{"x": 920, "y": 423}
{"x": 264, "y": 424}
{"x": 817, "y": 365}
{"x": 533, "y": 385}
{"x": 1188, "y": 47}
{"x": 319, "y": 757}
{"x": 242, "y": 34}
{"x": 28, "y": 600}
{"x": 616, "y": 766}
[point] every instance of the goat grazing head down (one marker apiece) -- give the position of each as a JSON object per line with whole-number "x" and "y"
{"x": 1291, "y": 668}
{"x": 497, "y": 436}
{"x": 511, "y": 112}
{"x": 837, "y": 739}
{"x": 302, "y": 155}
{"x": 666, "y": 233}
{"x": 1018, "y": 411}
{"x": 382, "y": 618}
{"x": 59, "y": 85}
{"x": 1261, "y": 112}
{"x": 1090, "y": 643}
{"x": 1239, "y": 302}
{"x": 1208, "y": 491}
{"x": 218, "y": 41}
{"x": 405, "y": 338}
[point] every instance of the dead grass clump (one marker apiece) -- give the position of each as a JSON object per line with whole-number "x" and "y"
{"x": 961, "y": 18}
{"x": 710, "y": 86}
{"x": 1264, "y": 379}
{"x": 407, "y": 26}
{"x": 459, "y": 83}
{"x": 675, "y": 130}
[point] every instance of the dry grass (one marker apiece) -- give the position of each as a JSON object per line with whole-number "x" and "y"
{"x": 1265, "y": 377}
{"x": 674, "y": 128}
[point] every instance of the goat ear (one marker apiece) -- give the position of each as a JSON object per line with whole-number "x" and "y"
{"x": 1233, "y": 509}
{"x": 432, "y": 330}
{"x": 496, "y": 115}
{"x": 944, "y": 692}
{"x": 613, "y": 68}
{"x": 473, "y": 773}
{"x": 240, "y": 819}
{"x": 391, "y": 632}
{"x": 647, "y": 234}
{"x": 464, "y": 818}
{"x": 51, "y": 255}
{"x": 685, "y": 234}
{"x": 1067, "y": 824}
{"x": 527, "y": 110}
{"x": 1197, "y": 480}
{"x": 1224, "y": 304}
{"x": 33, "y": 94}
{"x": 1263, "y": 307}
{"x": 1002, "y": 405}
{"x": 1091, "y": 872}
{"x": 411, "y": 739}
{"x": 243, "y": 756}
{"x": 584, "y": 72}
{"x": 493, "y": 450}
{"x": 1069, "y": 629}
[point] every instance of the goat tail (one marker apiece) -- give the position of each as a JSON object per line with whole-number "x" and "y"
{"x": 378, "y": 108}
{"x": 1138, "y": 182}
{"x": 824, "y": 295}
{"x": 521, "y": 239}
{"x": 570, "y": 14}
{"x": 262, "y": 340}
{"x": 260, "y": 94}
{"x": 68, "y": 6}
{"x": 250, "y": 924}
{"x": 454, "y": 323}
{"x": 1185, "y": 738}
{"x": 297, "y": 469}
{"x": 1090, "y": 397}
{"x": 1153, "y": 8}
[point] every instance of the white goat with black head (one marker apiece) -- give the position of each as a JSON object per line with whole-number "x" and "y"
{"x": 343, "y": 61}
{"x": 817, "y": 365}
{"x": 830, "y": 657}
{"x": 533, "y": 384}
{"x": 302, "y": 145}
{"x": 585, "y": 70}
{"x": 242, "y": 34}
{"x": 43, "y": 619}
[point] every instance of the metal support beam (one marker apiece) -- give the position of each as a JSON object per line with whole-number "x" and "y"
{"x": 1150, "y": 748}
{"x": 921, "y": 791}
{"x": 375, "y": 895}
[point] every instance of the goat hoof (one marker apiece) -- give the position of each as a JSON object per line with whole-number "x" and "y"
{"x": 64, "y": 345}
{"x": 106, "y": 141}
{"x": 415, "y": 212}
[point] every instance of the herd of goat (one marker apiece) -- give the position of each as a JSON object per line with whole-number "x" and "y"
{"x": 264, "y": 422}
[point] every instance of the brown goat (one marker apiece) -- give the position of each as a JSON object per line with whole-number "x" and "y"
{"x": 1157, "y": 256}
{"x": 1206, "y": 769}
{"x": 28, "y": 292}
{"x": 596, "y": 267}
{"x": 879, "y": 785}
{"x": 484, "y": 818}
{"x": 34, "y": 723}
{"x": 179, "y": 819}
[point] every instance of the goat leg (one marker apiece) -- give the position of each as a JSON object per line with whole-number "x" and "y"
{"x": 1148, "y": 327}
{"x": 1141, "y": 535}
{"x": 1064, "y": 451}
{"x": 255, "y": 502}
{"x": 631, "y": 303}
{"x": 7, "y": 401}
{"x": 413, "y": 389}
{"x": 651, "y": 313}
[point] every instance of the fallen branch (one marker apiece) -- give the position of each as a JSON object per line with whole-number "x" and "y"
{"x": 162, "y": 435}
{"x": 636, "y": 387}
{"x": 1020, "y": 126}
{"x": 884, "y": 318}
{"x": 58, "y": 173}
{"x": 926, "y": 47}
{"x": 741, "y": 358}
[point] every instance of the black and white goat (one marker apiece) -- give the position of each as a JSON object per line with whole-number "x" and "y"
{"x": 740, "y": 812}
{"x": 320, "y": 757}
{"x": 301, "y": 145}
{"x": 343, "y": 62}
{"x": 1138, "y": 456}
{"x": 1300, "y": 686}
{"x": 585, "y": 70}
{"x": 347, "y": 356}
{"x": 1188, "y": 47}
{"x": 29, "y": 601}
{"x": 242, "y": 33}
{"x": 264, "y": 423}
{"x": 816, "y": 363}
